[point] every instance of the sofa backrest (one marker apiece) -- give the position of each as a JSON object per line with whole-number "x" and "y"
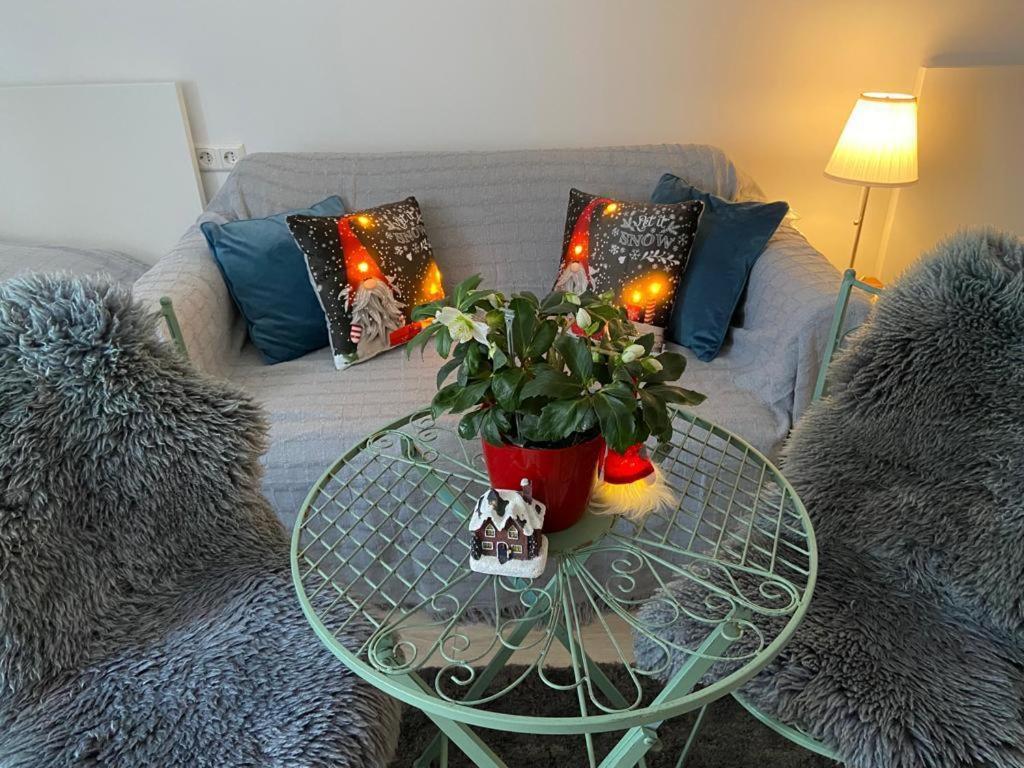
{"x": 497, "y": 213}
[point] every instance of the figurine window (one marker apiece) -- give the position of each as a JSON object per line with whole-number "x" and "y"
{"x": 487, "y": 546}
{"x": 517, "y": 548}
{"x": 513, "y": 532}
{"x": 489, "y": 531}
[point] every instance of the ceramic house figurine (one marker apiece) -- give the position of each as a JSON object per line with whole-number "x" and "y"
{"x": 506, "y": 526}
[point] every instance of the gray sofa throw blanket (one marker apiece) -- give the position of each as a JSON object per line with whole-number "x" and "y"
{"x": 912, "y": 652}
{"x": 147, "y": 616}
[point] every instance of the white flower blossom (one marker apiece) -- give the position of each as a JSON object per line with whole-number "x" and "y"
{"x": 583, "y": 319}
{"x": 652, "y": 365}
{"x": 462, "y": 327}
{"x": 632, "y": 352}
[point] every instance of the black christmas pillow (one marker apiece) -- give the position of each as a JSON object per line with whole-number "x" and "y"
{"x": 369, "y": 269}
{"x": 638, "y": 251}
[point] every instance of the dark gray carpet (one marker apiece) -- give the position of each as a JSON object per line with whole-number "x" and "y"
{"x": 730, "y": 737}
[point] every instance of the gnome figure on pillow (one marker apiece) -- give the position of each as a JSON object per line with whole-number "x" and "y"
{"x": 573, "y": 278}
{"x": 376, "y": 314}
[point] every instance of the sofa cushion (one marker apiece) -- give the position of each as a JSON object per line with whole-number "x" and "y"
{"x": 266, "y": 276}
{"x": 316, "y": 415}
{"x": 729, "y": 241}
{"x": 369, "y": 268}
{"x": 637, "y": 251}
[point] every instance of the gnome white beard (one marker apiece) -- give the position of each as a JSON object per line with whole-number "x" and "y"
{"x": 573, "y": 279}
{"x": 376, "y": 310}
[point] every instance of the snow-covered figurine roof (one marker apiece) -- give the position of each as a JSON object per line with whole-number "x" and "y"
{"x": 499, "y": 506}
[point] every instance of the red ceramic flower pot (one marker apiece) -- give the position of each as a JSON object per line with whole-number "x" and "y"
{"x": 562, "y": 478}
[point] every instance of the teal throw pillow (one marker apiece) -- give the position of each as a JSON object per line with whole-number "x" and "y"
{"x": 729, "y": 240}
{"x": 266, "y": 276}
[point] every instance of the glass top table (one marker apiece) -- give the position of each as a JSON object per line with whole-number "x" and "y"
{"x": 382, "y": 540}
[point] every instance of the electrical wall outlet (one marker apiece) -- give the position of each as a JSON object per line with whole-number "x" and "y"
{"x": 229, "y": 156}
{"x": 207, "y": 159}
{"x": 219, "y": 158}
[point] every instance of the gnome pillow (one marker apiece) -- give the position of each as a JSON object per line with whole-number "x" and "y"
{"x": 369, "y": 269}
{"x": 637, "y": 251}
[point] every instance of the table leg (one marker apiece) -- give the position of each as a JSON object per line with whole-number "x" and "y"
{"x": 432, "y": 752}
{"x": 692, "y": 738}
{"x": 637, "y": 741}
{"x": 459, "y": 734}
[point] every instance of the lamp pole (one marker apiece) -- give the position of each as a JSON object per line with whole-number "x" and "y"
{"x": 859, "y": 223}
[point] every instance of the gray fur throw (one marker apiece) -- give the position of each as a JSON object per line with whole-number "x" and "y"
{"x": 147, "y": 616}
{"x": 912, "y": 469}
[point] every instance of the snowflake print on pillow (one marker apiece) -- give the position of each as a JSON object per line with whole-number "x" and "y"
{"x": 638, "y": 251}
{"x": 369, "y": 269}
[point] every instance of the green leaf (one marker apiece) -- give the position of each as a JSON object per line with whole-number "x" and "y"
{"x": 524, "y": 325}
{"x": 499, "y": 359}
{"x": 464, "y": 288}
{"x": 542, "y": 339}
{"x": 469, "y": 425}
{"x": 604, "y": 312}
{"x": 676, "y": 395}
{"x": 551, "y": 384}
{"x": 562, "y": 418}
{"x": 553, "y": 299}
{"x": 565, "y": 308}
{"x": 444, "y": 341}
{"x": 616, "y": 420}
{"x": 494, "y": 426}
{"x": 446, "y": 370}
{"x": 577, "y": 355}
{"x": 469, "y": 395}
{"x": 647, "y": 342}
{"x": 420, "y": 340}
{"x": 655, "y": 413}
{"x": 505, "y": 385}
{"x": 476, "y": 358}
{"x": 672, "y": 366}
{"x": 423, "y": 311}
{"x": 531, "y": 297}
{"x": 443, "y": 398}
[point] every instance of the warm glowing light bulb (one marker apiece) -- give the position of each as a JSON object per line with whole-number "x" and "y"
{"x": 578, "y": 249}
{"x": 655, "y": 288}
{"x": 637, "y": 296}
{"x": 611, "y": 208}
{"x": 363, "y": 267}
{"x": 364, "y": 221}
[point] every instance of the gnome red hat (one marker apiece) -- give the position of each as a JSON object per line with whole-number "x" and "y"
{"x": 575, "y": 274}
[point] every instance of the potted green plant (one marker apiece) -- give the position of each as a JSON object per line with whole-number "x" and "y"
{"x": 548, "y": 384}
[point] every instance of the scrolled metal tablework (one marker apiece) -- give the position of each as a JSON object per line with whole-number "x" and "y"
{"x": 382, "y": 539}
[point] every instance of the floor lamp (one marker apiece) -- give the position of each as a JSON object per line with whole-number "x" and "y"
{"x": 877, "y": 148}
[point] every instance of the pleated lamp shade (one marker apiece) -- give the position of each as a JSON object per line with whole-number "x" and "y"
{"x": 878, "y": 146}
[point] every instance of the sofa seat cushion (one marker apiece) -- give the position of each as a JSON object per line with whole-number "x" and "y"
{"x": 317, "y": 415}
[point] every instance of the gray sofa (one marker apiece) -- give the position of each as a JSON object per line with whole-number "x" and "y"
{"x": 500, "y": 214}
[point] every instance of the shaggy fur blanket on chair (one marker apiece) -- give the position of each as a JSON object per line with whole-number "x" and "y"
{"x": 912, "y": 469}
{"x": 147, "y": 615}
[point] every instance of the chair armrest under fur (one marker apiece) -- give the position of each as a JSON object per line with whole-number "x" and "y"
{"x": 208, "y": 318}
{"x": 787, "y": 313}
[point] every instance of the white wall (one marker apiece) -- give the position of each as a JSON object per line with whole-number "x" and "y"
{"x": 771, "y": 82}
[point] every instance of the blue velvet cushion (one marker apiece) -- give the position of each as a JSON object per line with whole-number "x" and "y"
{"x": 266, "y": 275}
{"x": 730, "y": 238}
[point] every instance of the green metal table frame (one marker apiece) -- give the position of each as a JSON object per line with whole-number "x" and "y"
{"x": 380, "y": 551}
